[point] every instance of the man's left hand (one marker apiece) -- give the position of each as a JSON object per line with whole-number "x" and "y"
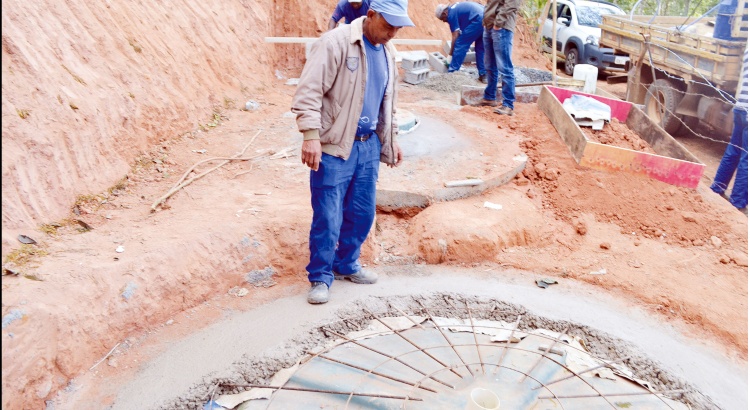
{"x": 399, "y": 155}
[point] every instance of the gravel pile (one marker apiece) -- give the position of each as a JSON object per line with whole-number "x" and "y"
{"x": 452, "y": 82}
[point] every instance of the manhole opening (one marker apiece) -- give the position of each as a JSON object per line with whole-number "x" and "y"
{"x": 447, "y": 351}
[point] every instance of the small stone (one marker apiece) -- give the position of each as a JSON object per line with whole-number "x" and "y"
{"x": 698, "y": 242}
{"x": 637, "y": 242}
{"x": 530, "y": 194}
{"x": 539, "y": 169}
{"x": 169, "y": 322}
{"x": 550, "y": 174}
{"x": 716, "y": 242}
{"x": 739, "y": 258}
{"x": 581, "y": 228}
{"x": 522, "y": 181}
{"x": 112, "y": 362}
{"x": 688, "y": 217}
{"x": 669, "y": 208}
{"x": 605, "y": 245}
{"x": 725, "y": 259}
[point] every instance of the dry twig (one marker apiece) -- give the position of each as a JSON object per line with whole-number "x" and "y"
{"x": 181, "y": 183}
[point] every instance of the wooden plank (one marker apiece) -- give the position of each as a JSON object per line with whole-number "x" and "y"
{"x": 615, "y": 159}
{"x": 567, "y": 128}
{"x": 620, "y": 109}
{"x": 617, "y": 79}
{"x": 661, "y": 142}
{"x": 673, "y": 164}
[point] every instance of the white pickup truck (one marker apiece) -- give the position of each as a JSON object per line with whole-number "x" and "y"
{"x": 578, "y": 34}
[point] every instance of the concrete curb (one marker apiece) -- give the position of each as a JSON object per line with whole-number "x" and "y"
{"x": 394, "y": 200}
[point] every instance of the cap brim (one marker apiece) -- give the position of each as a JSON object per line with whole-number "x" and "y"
{"x": 397, "y": 21}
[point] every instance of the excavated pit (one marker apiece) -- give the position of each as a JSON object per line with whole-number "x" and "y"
{"x": 439, "y": 351}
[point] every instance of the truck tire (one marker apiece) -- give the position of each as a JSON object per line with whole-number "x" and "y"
{"x": 661, "y": 102}
{"x": 571, "y": 59}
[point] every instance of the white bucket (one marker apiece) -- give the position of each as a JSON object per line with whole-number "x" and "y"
{"x": 588, "y": 74}
{"x": 483, "y": 399}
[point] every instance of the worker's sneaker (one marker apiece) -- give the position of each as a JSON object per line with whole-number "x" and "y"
{"x": 504, "y": 110}
{"x": 482, "y": 79}
{"x": 363, "y": 277}
{"x": 488, "y": 103}
{"x": 318, "y": 293}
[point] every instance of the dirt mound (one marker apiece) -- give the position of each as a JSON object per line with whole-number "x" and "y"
{"x": 470, "y": 231}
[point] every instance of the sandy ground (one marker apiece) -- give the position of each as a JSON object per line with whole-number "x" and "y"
{"x": 678, "y": 254}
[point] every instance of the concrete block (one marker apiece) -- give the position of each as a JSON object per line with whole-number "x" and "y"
{"x": 438, "y": 62}
{"x": 414, "y": 60}
{"x": 417, "y": 76}
{"x": 471, "y": 56}
{"x": 471, "y": 95}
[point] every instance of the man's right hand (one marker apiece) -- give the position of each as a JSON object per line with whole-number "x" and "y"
{"x": 311, "y": 154}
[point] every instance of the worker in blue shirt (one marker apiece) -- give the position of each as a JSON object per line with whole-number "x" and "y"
{"x": 465, "y": 21}
{"x": 349, "y": 10}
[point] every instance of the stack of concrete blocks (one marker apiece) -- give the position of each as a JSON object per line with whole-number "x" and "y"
{"x": 415, "y": 66}
{"x": 439, "y": 62}
{"x": 471, "y": 55}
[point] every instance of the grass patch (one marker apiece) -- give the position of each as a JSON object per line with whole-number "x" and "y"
{"x": 25, "y": 254}
{"x": 228, "y": 103}
{"x": 23, "y": 113}
{"x": 50, "y": 229}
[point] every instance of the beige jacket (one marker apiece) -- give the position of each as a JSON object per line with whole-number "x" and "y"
{"x": 331, "y": 91}
{"x": 501, "y": 13}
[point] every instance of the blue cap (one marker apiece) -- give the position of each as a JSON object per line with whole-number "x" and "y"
{"x": 394, "y": 12}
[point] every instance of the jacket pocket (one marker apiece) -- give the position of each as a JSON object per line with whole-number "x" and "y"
{"x": 329, "y": 116}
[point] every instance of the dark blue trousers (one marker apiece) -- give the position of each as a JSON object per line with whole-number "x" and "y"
{"x": 471, "y": 34}
{"x": 734, "y": 159}
{"x": 343, "y": 202}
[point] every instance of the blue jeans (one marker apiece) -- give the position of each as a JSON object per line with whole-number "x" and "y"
{"x": 471, "y": 34}
{"x": 498, "y": 46}
{"x": 735, "y": 158}
{"x": 343, "y": 202}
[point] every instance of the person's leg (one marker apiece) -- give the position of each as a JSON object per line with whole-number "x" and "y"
{"x": 473, "y": 34}
{"x": 503, "y": 50}
{"x": 359, "y": 207}
{"x": 328, "y": 187}
{"x": 479, "y": 52}
{"x": 463, "y": 43}
{"x": 738, "y": 198}
{"x": 490, "y": 64}
{"x": 731, "y": 157}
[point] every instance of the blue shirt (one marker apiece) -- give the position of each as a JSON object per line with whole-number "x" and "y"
{"x": 345, "y": 10}
{"x": 742, "y": 86}
{"x": 462, "y": 14}
{"x": 377, "y": 79}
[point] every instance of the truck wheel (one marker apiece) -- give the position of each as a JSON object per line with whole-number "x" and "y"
{"x": 661, "y": 103}
{"x": 571, "y": 59}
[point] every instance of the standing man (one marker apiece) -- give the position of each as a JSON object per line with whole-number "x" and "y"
{"x": 346, "y": 105}
{"x": 499, "y": 23}
{"x": 735, "y": 156}
{"x": 465, "y": 22}
{"x": 349, "y": 10}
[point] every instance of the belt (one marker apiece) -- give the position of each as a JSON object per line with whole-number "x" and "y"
{"x": 362, "y": 138}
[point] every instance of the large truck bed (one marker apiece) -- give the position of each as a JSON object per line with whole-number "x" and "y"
{"x": 691, "y": 56}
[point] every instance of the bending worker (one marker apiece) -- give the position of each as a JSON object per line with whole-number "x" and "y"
{"x": 349, "y": 10}
{"x": 346, "y": 106}
{"x": 465, "y": 22}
